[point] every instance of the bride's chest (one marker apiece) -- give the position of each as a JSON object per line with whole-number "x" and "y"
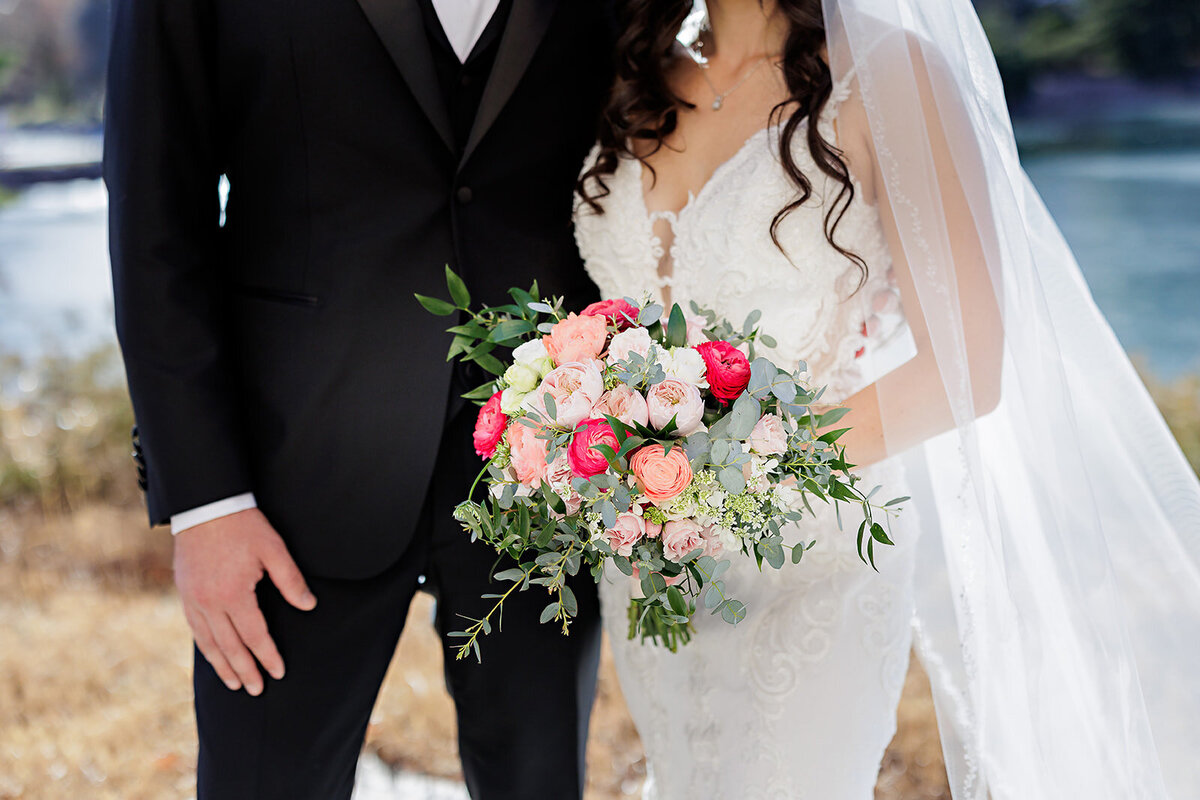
{"x": 738, "y": 245}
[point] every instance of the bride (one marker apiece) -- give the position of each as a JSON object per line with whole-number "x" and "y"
{"x": 847, "y": 168}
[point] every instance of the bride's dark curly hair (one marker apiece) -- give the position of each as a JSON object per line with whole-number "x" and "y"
{"x": 643, "y": 108}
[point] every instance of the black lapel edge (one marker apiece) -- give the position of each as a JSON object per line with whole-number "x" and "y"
{"x": 527, "y": 25}
{"x": 401, "y": 28}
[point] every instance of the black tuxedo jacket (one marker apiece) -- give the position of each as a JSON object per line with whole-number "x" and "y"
{"x": 280, "y": 350}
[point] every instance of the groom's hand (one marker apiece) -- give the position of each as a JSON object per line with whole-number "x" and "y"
{"x": 217, "y": 566}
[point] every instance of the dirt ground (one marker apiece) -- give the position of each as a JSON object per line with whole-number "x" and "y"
{"x": 95, "y": 694}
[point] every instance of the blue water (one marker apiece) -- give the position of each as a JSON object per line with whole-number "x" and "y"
{"x": 1133, "y": 218}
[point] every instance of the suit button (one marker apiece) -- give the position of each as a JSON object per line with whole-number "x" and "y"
{"x": 464, "y": 195}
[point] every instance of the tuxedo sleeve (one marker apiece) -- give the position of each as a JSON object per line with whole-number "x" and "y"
{"x": 162, "y": 165}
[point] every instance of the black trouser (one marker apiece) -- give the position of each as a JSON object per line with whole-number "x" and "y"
{"x": 522, "y": 714}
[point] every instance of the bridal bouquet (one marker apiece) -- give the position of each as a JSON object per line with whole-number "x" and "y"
{"x": 660, "y": 444}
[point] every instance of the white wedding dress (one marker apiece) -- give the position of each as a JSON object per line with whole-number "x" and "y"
{"x": 799, "y": 700}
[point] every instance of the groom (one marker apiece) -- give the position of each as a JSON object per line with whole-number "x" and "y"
{"x": 299, "y": 426}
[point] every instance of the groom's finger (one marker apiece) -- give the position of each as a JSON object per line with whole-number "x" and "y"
{"x": 286, "y": 576}
{"x": 235, "y": 651}
{"x": 208, "y": 648}
{"x": 252, "y": 628}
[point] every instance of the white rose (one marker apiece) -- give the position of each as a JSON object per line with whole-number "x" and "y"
{"x": 521, "y": 377}
{"x": 511, "y": 400}
{"x": 634, "y": 340}
{"x": 530, "y": 352}
{"x": 684, "y": 364}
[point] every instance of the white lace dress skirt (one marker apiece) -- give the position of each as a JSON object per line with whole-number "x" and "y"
{"x": 797, "y": 701}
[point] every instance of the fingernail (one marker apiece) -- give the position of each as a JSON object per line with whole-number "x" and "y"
{"x": 310, "y": 600}
{"x": 277, "y": 674}
{"x": 233, "y": 686}
{"x": 254, "y": 691}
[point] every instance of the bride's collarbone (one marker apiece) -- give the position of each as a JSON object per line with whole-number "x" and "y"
{"x": 704, "y": 140}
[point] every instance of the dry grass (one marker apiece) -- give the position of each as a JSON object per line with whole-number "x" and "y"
{"x": 95, "y": 693}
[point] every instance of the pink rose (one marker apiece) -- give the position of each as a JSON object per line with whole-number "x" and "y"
{"x": 712, "y": 542}
{"x": 769, "y": 437}
{"x": 628, "y": 530}
{"x": 489, "y": 427}
{"x": 634, "y": 340}
{"x": 558, "y": 475}
{"x": 576, "y": 338}
{"x": 728, "y": 370}
{"x": 619, "y": 313}
{"x": 681, "y": 537}
{"x": 624, "y": 403}
{"x": 584, "y": 460}
{"x": 528, "y": 454}
{"x": 674, "y": 398}
{"x": 661, "y": 475}
{"x": 575, "y": 387}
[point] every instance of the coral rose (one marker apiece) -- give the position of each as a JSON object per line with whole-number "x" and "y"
{"x": 682, "y": 536}
{"x": 728, "y": 371}
{"x": 617, "y": 312}
{"x": 661, "y": 475}
{"x": 489, "y": 427}
{"x": 675, "y": 398}
{"x": 584, "y": 460}
{"x": 625, "y": 403}
{"x": 575, "y": 387}
{"x": 576, "y": 338}
{"x": 528, "y": 454}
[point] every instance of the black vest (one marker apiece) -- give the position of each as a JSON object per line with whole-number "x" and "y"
{"x": 462, "y": 83}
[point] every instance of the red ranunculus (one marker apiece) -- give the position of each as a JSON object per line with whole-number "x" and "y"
{"x": 728, "y": 370}
{"x": 586, "y": 462}
{"x": 618, "y": 313}
{"x": 489, "y": 427}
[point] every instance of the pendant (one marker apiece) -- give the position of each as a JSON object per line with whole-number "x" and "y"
{"x": 716, "y": 106}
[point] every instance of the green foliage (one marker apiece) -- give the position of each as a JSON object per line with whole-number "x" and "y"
{"x": 1153, "y": 39}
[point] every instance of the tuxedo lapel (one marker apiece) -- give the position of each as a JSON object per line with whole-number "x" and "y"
{"x": 399, "y": 25}
{"x": 527, "y": 24}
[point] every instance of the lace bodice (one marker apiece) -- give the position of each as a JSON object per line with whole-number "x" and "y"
{"x": 723, "y": 258}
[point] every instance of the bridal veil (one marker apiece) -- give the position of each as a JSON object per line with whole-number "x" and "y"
{"x": 1058, "y": 590}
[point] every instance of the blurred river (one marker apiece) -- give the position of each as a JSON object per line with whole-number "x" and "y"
{"x": 1132, "y": 215}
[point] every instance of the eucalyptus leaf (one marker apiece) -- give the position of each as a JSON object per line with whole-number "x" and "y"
{"x": 512, "y": 575}
{"x": 733, "y": 612}
{"x": 608, "y": 513}
{"x": 650, "y": 314}
{"x": 744, "y": 416}
{"x": 550, "y": 612}
{"x": 569, "y": 603}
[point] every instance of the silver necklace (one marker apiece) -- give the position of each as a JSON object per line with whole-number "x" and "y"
{"x": 719, "y": 97}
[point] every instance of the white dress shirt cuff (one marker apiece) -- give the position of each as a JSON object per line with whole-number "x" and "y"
{"x": 210, "y": 511}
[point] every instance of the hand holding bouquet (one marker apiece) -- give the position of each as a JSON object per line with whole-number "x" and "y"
{"x": 662, "y": 445}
